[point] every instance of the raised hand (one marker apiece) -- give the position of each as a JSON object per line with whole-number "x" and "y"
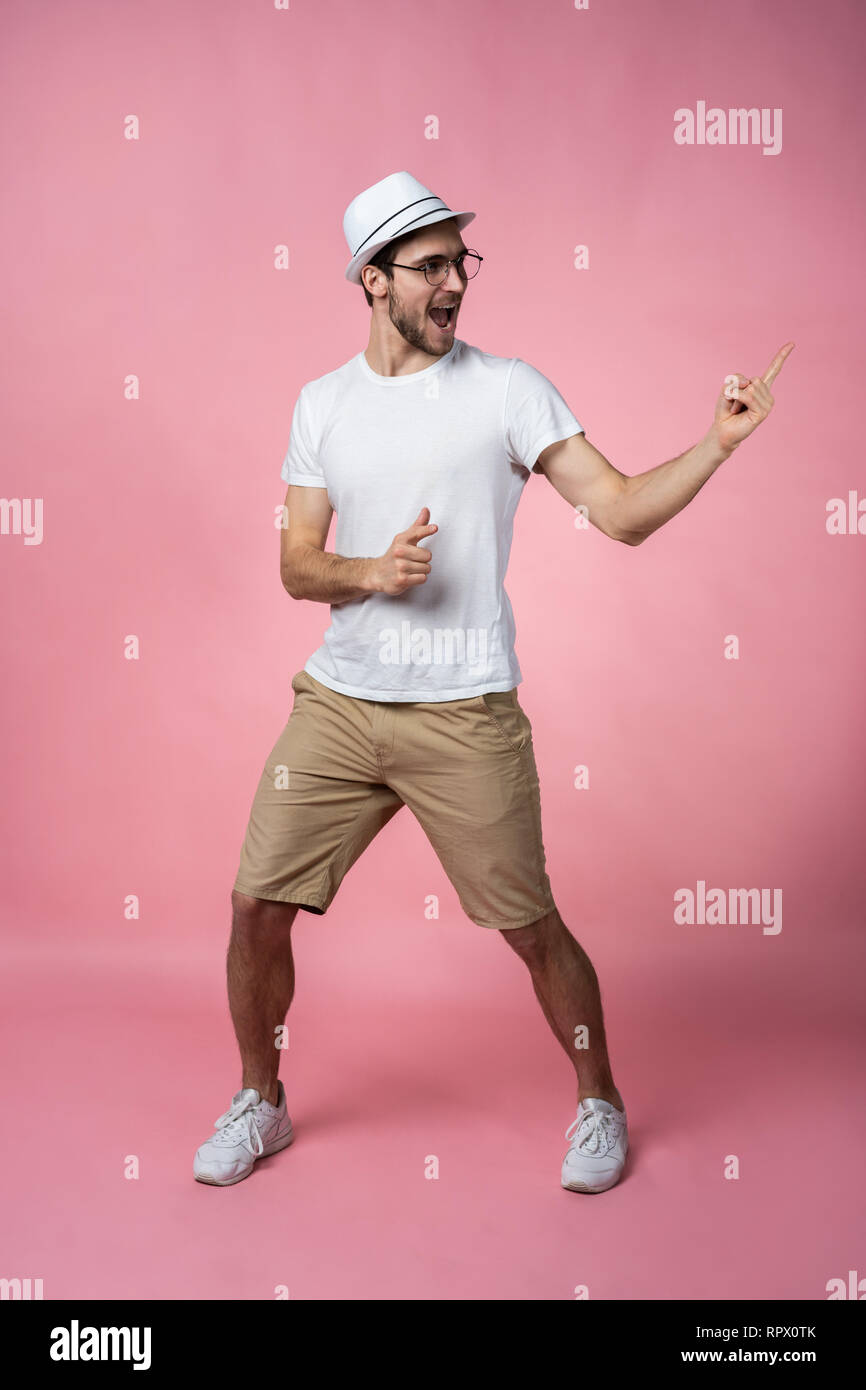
{"x": 405, "y": 563}
{"x": 746, "y": 402}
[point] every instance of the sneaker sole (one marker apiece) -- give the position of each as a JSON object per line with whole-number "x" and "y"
{"x": 272, "y": 1148}
{"x": 584, "y": 1187}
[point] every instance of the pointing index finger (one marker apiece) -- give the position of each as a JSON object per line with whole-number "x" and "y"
{"x": 776, "y": 365}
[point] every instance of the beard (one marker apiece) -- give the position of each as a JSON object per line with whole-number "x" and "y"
{"x": 414, "y": 327}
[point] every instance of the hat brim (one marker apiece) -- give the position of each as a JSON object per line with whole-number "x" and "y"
{"x": 357, "y": 263}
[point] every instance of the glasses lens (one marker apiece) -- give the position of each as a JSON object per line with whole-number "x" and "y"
{"x": 436, "y": 270}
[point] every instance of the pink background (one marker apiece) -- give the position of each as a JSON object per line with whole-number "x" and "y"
{"x": 409, "y": 1037}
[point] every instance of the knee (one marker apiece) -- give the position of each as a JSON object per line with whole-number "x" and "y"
{"x": 532, "y": 941}
{"x": 254, "y": 913}
{"x": 243, "y": 906}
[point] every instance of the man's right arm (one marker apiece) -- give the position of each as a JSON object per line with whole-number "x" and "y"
{"x": 307, "y": 570}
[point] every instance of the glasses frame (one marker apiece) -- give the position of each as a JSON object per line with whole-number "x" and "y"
{"x": 470, "y": 251}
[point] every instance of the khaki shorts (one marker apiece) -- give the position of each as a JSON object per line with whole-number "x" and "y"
{"x": 343, "y": 766}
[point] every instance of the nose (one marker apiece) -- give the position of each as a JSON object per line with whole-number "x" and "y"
{"x": 453, "y": 280}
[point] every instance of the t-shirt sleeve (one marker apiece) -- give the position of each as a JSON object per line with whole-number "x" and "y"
{"x": 301, "y": 465}
{"x": 535, "y": 414}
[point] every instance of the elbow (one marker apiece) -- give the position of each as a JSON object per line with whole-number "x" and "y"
{"x": 288, "y": 582}
{"x": 616, "y": 532}
{"x": 619, "y": 532}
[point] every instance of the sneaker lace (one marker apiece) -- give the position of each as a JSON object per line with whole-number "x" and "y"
{"x": 239, "y": 1122}
{"x": 597, "y": 1132}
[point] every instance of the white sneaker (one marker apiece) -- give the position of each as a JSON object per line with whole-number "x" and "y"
{"x": 251, "y": 1128}
{"x": 596, "y": 1156}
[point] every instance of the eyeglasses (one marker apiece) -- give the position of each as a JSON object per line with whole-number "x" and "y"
{"x": 436, "y": 270}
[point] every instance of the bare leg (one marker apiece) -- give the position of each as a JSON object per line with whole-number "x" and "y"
{"x": 260, "y": 972}
{"x": 567, "y": 989}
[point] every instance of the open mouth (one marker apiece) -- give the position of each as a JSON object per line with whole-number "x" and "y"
{"x": 443, "y": 316}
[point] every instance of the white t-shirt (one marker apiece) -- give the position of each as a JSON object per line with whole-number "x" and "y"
{"x": 460, "y": 437}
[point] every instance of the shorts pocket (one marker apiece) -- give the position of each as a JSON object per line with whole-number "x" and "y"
{"x": 505, "y": 714}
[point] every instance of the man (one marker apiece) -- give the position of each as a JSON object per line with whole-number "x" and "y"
{"x": 422, "y": 444}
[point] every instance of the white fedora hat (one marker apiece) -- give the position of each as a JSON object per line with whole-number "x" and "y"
{"x": 394, "y": 205}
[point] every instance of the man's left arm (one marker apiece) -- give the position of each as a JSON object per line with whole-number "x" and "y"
{"x": 629, "y": 509}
